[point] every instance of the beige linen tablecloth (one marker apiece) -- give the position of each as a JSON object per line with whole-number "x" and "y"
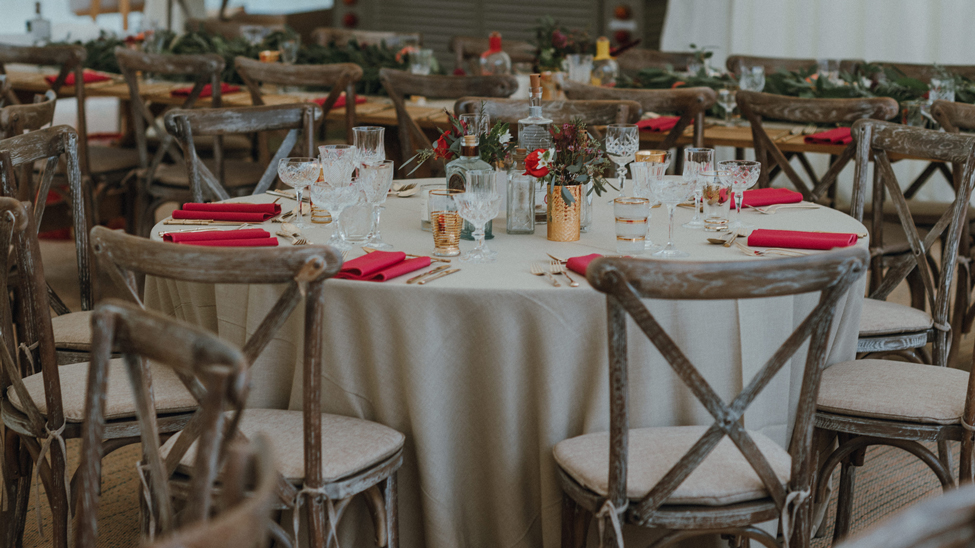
{"x": 486, "y": 370}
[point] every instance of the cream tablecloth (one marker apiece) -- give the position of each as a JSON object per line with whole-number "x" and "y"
{"x": 486, "y": 370}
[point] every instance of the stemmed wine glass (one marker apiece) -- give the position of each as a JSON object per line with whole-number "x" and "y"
{"x": 479, "y": 203}
{"x": 727, "y": 101}
{"x": 368, "y": 142}
{"x": 744, "y": 174}
{"x": 671, "y": 191}
{"x": 375, "y": 181}
{"x": 644, "y": 173}
{"x": 338, "y": 190}
{"x": 752, "y": 78}
{"x": 695, "y": 161}
{"x": 299, "y": 173}
{"x": 622, "y": 142}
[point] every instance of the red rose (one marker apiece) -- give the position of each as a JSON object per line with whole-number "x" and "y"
{"x": 531, "y": 164}
{"x": 442, "y": 149}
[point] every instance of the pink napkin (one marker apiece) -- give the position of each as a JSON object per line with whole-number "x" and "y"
{"x": 340, "y": 102}
{"x": 381, "y": 266}
{"x": 580, "y": 264}
{"x": 247, "y": 237}
{"x": 87, "y": 76}
{"x": 225, "y": 88}
{"x": 800, "y": 240}
{"x": 761, "y": 197}
{"x": 661, "y": 124}
{"x": 838, "y": 136}
{"x": 245, "y": 213}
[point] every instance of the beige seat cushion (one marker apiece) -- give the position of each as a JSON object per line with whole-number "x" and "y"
{"x": 349, "y": 445}
{"x": 725, "y": 477}
{"x": 170, "y": 394}
{"x": 72, "y": 331}
{"x": 887, "y": 318}
{"x": 886, "y": 389}
{"x": 105, "y": 159}
{"x": 237, "y": 173}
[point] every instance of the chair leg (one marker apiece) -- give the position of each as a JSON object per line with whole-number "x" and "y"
{"x": 944, "y": 455}
{"x": 844, "y": 499}
{"x": 392, "y": 512}
{"x": 17, "y": 468}
{"x": 575, "y": 523}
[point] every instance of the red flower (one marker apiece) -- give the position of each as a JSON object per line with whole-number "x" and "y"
{"x": 459, "y": 72}
{"x": 442, "y": 149}
{"x": 531, "y": 164}
{"x": 559, "y": 40}
{"x": 677, "y": 84}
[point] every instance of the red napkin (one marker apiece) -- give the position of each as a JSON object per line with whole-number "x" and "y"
{"x": 340, "y": 102}
{"x": 87, "y": 77}
{"x": 225, "y": 88}
{"x": 838, "y": 136}
{"x": 761, "y": 197}
{"x": 248, "y": 237}
{"x": 661, "y": 124}
{"x": 381, "y": 266}
{"x": 800, "y": 240}
{"x": 245, "y": 213}
{"x": 580, "y": 264}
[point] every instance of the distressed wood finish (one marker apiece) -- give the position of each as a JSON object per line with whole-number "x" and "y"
{"x": 298, "y": 119}
{"x": 924, "y": 72}
{"x": 757, "y": 106}
{"x": 338, "y": 77}
{"x": 688, "y": 103}
{"x": 5, "y": 89}
{"x": 791, "y": 64}
{"x": 636, "y": 59}
{"x": 324, "y": 36}
{"x": 468, "y": 50}
{"x": 17, "y": 119}
{"x": 399, "y": 84}
{"x": 593, "y": 113}
{"x": 625, "y": 282}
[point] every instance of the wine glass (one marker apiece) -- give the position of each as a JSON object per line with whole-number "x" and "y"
{"x": 335, "y": 195}
{"x": 622, "y": 142}
{"x": 645, "y": 171}
{"x": 726, "y": 100}
{"x": 368, "y": 141}
{"x": 299, "y": 173}
{"x": 421, "y": 61}
{"x": 671, "y": 191}
{"x": 744, "y": 174}
{"x": 752, "y": 78}
{"x": 375, "y": 181}
{"x": 695, "y": 161}
{"x": 479, "y": 203}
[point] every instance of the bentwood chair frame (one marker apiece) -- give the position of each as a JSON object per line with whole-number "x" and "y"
{"x": 924, "y": 72}
{"x": 17, "y": 119}
{"x": 324, "y": 36}
{"x": 339, "y": 77}
{"x": 298, "y": 119}
{"x": 756, "y": 106}
{"x": 636, "y": 59}
{"x": 304, "y": 269}
{"x": 593, "y": 113}
{"x": 468, "y": 50}
{"x": 734, "y": 63}
{"x": 4, "y": 90}
{"x": 398, "y": 84}
{"x": 625, "y": 282}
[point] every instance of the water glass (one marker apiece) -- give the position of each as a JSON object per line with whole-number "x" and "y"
{"x": 829, "y": 69}
{"x": 727, "y": 102}
{"x": 695, "y": 161}
{"x": 622, "y": 142}
{"x": 369, "y": 144}
{"x": 717, "y": 200}
{"x": 335, "y": 196}
{"x": 671, "y": 191}
{"x": 479, "y": 203}
{"x": 632, "y": 214}
{"x": 299, "y": 173}
{"x": 421, "y": 61}
{"x": 375, "y": 181}
{"x": 580, "y": 67}
{"x": 356, "y": 220}
{"x": 289, "y": 50}
{"x": 752, "y": 78}
{"x": 445, "y": 221}
{"x": 941, "y": 88}
{"x": 743, "y": 174}
{"x": 649, "y": 166}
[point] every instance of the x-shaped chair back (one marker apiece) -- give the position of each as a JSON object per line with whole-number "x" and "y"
{"x": 689, "y": 103}
{"x": 592, "y": 112}
{"x": 17, "y": 119}
{"x": 879, "y": 140}
{"x": 298, "y": 119}
{"x": 626, "y": 281}
{"x": 757, "y": 106}
{"x": 734, "y": 63}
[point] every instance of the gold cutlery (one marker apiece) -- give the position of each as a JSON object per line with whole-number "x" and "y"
{"x": 203, "y": 222}
{"x": 436, "y": 276}
{"x": 558, "y": 268}
{"x": 537, "y": 270}
{"x": 411, "y": 256}
{"x": 287, "y": 195}
{"x": 415, "y": 279}
{"x": 772, "y": 209}
{"x": 554, "y": 258}
{"x": 770, "y": 251}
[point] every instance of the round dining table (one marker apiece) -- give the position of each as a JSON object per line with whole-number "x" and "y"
{"x": 485, "y": 370}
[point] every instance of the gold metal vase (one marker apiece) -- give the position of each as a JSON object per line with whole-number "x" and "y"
{"x": 564, "y": 219}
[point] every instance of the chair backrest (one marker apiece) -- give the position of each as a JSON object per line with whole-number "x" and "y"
{"x": 636, "y": 59}
{"x": 338, "y": 77}
{"x": 324, "y": 36}
{"x": 216, "y": 368}
{"x": 468, "y": 50}
{"x": 880, "y": 140}
{"x": 791, "y": 64}
{"x": 689, "y": 103}
{"x": 593, "y": 113}
{"x": 4, "y": 90}
{"x": 952, "y": 117}
{"x": 51, "y": 145}
{"x": 17, "y": 119}
{"x": 756, "y": 106}
{"x": 299, "y": 119}
{"x": 924, "y": 72}
{"x": 399, "y": 84}
{"x": 626, "y": 281}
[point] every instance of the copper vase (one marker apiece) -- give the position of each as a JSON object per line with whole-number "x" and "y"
{"x": 564, "y": 219}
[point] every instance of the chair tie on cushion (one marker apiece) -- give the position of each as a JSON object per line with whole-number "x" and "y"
{"x": 609, "y": 511}
{"x": 329, "y": 507}
{"x": 942, "y": 327}
{"x": 792, "y": 503}
{"x": 49, "y": 437}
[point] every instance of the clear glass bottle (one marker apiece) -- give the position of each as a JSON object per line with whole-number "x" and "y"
{"x": 534, "y": 132}
{"x": 39, "y": 28}
{"x": 521, "y": 197}
{"x": 470, "y": 158}
{"x": 495, "y": 61}
{"x": 605, "y": 69}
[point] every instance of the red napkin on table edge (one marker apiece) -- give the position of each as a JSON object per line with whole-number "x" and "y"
{"x": 797, "y": 239}
{"x": 225, "y": 88}
{"x": 243, "y": 212}
{"x": 838, "y": 136}
{"x": 340, "y": 102}
{"x": 661, "y": 124}
{"x": 380, "y": 266}
{"x": 761, "y": 197}
{"x": 580, "y": 264}
{"x": 248, "y": 237}
{"x": 88, "y": 76}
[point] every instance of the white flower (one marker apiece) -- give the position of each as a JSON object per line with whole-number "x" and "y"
{"x": 505, "y": 138}
{"x": 545, "y": 158}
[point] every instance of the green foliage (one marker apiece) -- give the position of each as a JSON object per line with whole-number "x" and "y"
{"x": 554, "y": 43}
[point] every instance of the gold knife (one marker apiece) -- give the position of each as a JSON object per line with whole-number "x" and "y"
{"x": 425, "y": 274}
{"x": 201, "y": 222}
{"x": 435, "y": 276}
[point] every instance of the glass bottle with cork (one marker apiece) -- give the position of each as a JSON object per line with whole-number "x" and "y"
{"x": 470, "y": 158}
{"x": 605, "y": 69}
{"x": 39, "y": 28}
{"x": 535, "y": 132}
{"x": 495, "y": 61}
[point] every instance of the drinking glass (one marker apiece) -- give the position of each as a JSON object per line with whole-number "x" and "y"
{"x": 941, "y": 87}
{"x": 752, "y": 78}
{"x": 649, "y": 166}
{"x": 479, "y": 203}
{"x": 717, "y": 200}
{"x": 299, "y": 173}
{"x": 829, "y": 69}
{"x": 289, "y": 50}
{"x": 631, "y": 216}
{"x": 695, "y": 161}
{"x": 368, "y": 142}
{"x": 743, "y": 174}
{"x": 445, "y": 222}
{"x": 421, "y": 61}
{"x": 475, "y": 124}
{"x": 726, "y": 100}
{"x": 335, "y": 195}
{"x": 580, "y": 67}
{"x": 671, "y": 191}
{"x": 622, "y": 142}
{"x": 375, "y": 181}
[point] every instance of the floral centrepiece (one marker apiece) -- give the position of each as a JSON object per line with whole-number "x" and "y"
{"x": 494, "y": 147}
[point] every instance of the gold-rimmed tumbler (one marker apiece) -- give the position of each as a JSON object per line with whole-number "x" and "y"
{"x": 445, "y": 222}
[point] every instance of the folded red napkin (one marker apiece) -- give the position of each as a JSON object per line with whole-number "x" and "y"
{"x": 800, "y": 240}
{"x": 340, "y": 102}
{"x": 761, "y": 197}
{"x": 87, "y": 76}
{"x": 381, "y": 266}
{"x": 246, "y": 237}
{"x": 580, "y": 264}
{"x": 225, "y": 88}
{"x": 245, "y": 213}
{"x": 838, "y": 136}
{"x": 660, "y": 124}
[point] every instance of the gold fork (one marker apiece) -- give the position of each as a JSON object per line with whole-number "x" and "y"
{"x": 559, "y": 268}
{"x": 537, "y": 270}
{"x": 770, "y": 251}
{"x": 771, "y": 210}
{"x": 296, "y": 239}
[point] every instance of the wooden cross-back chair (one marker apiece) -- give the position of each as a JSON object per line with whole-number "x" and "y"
{"x": 634, "y": 60}
{"x": 892, "y": 327}
{"x": 925, "y": 72}
{"x": 635, "y": 489}
{"x": 17, "y": 119}
{"x": 468, "y": 50}
{"x": 688, "y": 103}
{"x": 320, "y": 475}
{"x": 4, "y": 90}
{"x": 399, "y": 84}
{"x": 756, "y": 107}
{"x": 593, "y": 112}
{"x": 324, "y": 36}
{"x": 298, "y": 119}
{"x": 216, "y": 368}
{"x": 734, "y": 63}
{"x": 338, "y": 77}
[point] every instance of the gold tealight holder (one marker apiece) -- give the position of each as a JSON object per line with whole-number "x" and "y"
{"x": 651, "y": 156}
{"x": 269, "y": 56}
